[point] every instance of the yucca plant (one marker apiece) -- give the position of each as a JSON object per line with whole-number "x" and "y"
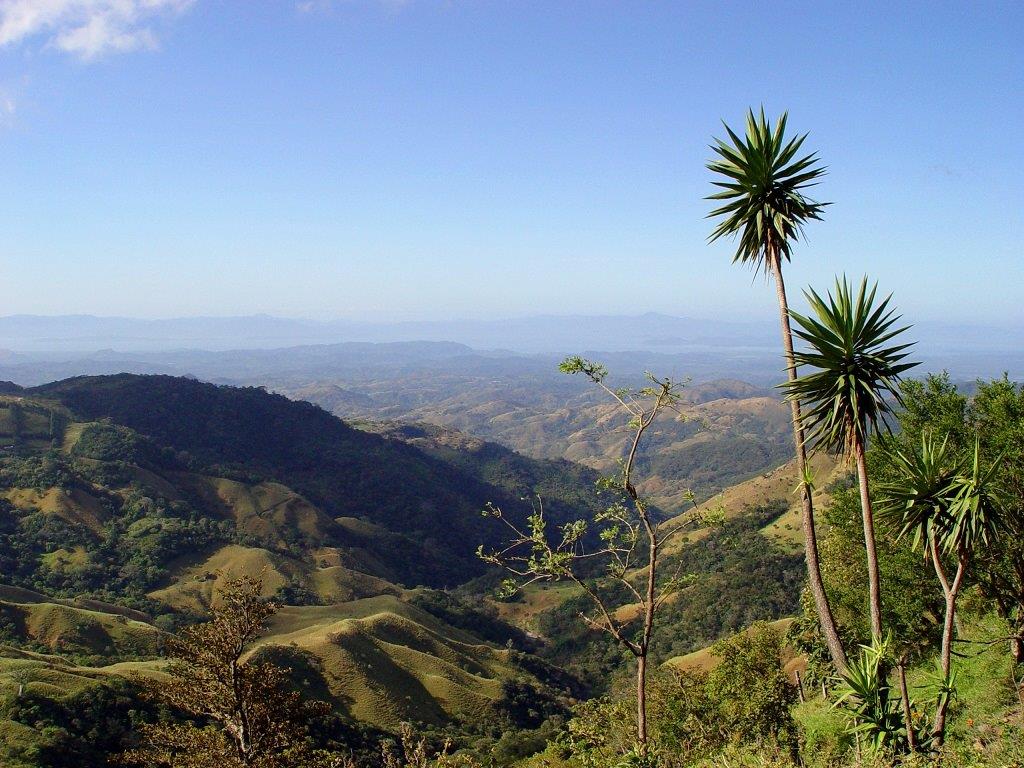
{"x": 764, "y": 206}
{"x": 951, "y": 510}
{"x": 864, "y": 691}
{"x": 977, "y": 516}
{"x": 917, "y": 503}
{"x": 851, "y": 389}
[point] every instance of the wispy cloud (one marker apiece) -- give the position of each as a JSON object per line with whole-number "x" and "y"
{"x": 310, "y": 6}
{"x": 313, "y": 6}
{"x": 88, "y": 29}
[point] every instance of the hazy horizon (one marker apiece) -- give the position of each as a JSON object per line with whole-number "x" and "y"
{"x": 254, "y": 349}
{"x": 31, "y": 332}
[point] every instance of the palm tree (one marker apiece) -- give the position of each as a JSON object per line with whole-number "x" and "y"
{"x": 849, "y": 393}
{"x": 949, "y": 510}
{"x": 918, "y": 501}
{"x": 764, "y": 207}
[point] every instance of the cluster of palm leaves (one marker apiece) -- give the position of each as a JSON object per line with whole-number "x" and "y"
{"x": 763, "y": 197}
{"x": 855, "y": 367}
{"x": 939, "y": 501}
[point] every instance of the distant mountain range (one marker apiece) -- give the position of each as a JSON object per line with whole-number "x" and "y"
{"x": 35, "y": 349}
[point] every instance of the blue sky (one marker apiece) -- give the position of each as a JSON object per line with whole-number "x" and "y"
{"x": 428, "y": 159}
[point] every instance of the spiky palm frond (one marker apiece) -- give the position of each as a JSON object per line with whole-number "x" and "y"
{"x": 763, "y": 191}
{"x": 857, "y": 370}
{"x": 919, "y": 499}
{"x": 977, "y": 514}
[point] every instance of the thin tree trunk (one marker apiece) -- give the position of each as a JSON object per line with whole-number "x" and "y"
{"x": 874, "y": 580}
{"x": 952, "y": 592}
{"x": 641, "y": 701}
{"x": 645, "y": 640}
{"x": 817, "y": 585}
{"x": 242, "y": 735}
{"x": 908, "y": 720}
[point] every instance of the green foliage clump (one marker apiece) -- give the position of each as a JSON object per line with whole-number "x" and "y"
{"x": 745, "y": 699}
{"x": 80, "y": 729}
{"x": 38, "y": 471}
{"x": 113, "y": 443}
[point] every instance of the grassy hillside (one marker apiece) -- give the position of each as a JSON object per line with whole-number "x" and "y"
{"x": 60, "y": 628}
{"x": 751, "y": 569}
{"x": 387, "y": 661}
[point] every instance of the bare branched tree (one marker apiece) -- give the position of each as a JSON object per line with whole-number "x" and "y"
{"x": 629, "y": 542}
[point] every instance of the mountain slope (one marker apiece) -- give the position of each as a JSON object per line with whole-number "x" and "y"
{"x": 145, "y": 493}
{"x": 423, "y": 512}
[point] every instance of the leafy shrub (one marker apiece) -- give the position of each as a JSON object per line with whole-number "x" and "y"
{"x": 84, "y": 728}
{"x": 744, "y": 699}
{"x": 39, "y": 471}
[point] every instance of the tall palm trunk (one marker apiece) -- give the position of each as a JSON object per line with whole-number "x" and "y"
{"x": 874, "y": 581}
{"x": 825, "y": 618}
{"x": 951, "y": 591}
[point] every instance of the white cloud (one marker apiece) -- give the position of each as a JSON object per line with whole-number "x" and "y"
{"x": 88, "y": 29}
